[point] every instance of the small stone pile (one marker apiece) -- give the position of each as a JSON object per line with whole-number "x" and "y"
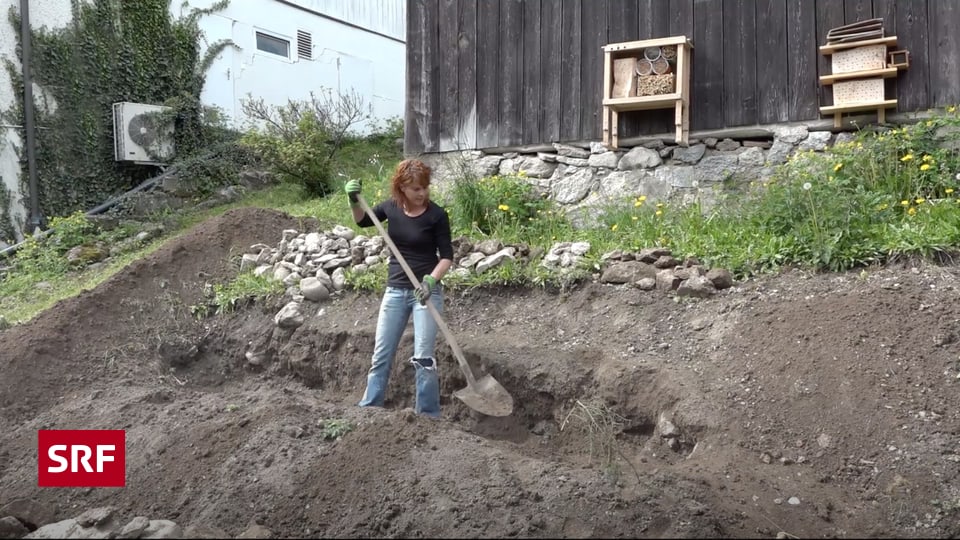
{"x": 313, "y": 265}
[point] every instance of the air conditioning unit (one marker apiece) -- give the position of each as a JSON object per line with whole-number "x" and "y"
{"x": 140, "y": 135}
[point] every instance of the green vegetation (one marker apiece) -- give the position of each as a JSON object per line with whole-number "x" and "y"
{"x": 880, "y": 196}
{"x": 82, "y": 75}
{"x": 335, "y": 428}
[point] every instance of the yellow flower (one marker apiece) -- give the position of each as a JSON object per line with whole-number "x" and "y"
{"x": 637, "y": 203}
{"x": 904, "y": 203}
{"x": 929, "y": 123}
{"x": 925, "y": 167}
{"x": 951, "y": 108}
{"x": 659, "y": 212}
{"x": 522, "y": 174}
{"x": 907, "y": 157}
{"x": 503, "y": 207}
{"x": 912, "y": 211}
{"x": 927, "y": 157}
{"x": 948, "y": 191}
{"x": 837, "y": 167}
{"x": 613, "y": 227}
{"x": 920, "y": 200}
{"x": 883, "y": 206}
{"x": 634, "y": 218}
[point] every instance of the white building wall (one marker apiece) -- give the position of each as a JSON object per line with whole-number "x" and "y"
{"x": 49, "y": 13}
{"x": 344, "y": 55}
{"x": 358, "y": 44}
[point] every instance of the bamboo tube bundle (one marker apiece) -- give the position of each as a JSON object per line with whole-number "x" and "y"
{"x": 669, "y": 52}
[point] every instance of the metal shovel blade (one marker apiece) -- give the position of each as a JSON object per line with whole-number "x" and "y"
{"x": 487, "y": 396}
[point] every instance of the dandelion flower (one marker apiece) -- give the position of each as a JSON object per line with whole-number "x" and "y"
{"x": 807, "y": 186}
{"x": 907, "y": 157}
{"x": 613, "y": 227}
{"x": 912, "y": 211}
{"x": 904, "y": 203}
{"x": 920, "y": 200}
{"x": 503, "y": 208}
{"x": 925, "y": 167}
{"x": 837, "y": 167}
{"x": 634, "y": 218}
{"x": 659, "y": 212}
{"x": 951, "y": 108}
{"x": 927, "y": 157}
{"x": 948, "y": 191}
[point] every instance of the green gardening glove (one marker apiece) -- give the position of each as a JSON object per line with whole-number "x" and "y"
{"x": 353, "y": 188}
{"x": 426, "y": 288}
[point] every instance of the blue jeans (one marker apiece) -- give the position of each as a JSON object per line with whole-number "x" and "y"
{"x": 395, "y": 310}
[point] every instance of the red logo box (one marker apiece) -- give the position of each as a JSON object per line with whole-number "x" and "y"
{"x": 81, "y": 458}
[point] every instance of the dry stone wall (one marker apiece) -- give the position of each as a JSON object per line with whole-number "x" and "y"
{"x": 580, "y": 179}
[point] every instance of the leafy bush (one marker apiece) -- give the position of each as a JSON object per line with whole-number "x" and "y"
{"x": 300, "y": 140}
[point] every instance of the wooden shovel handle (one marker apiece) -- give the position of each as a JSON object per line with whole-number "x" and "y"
{"x": 464, "y": 366}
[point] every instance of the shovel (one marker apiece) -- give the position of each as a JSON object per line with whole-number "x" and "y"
{"x": 485, "y": 395}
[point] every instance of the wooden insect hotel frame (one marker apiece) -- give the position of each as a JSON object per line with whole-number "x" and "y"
{"x": 861, "y": 57}
{"x": 646, "y": 75}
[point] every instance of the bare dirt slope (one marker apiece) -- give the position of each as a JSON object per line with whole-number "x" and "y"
{"x": 811, "y": 405}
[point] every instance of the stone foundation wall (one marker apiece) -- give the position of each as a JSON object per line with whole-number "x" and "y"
{"x": 580, "y": 179}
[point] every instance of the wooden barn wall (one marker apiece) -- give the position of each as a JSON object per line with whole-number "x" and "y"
{"x": 499, "y": 73}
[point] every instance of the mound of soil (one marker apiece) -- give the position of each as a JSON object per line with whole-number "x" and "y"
{"x": 804, "y": 405}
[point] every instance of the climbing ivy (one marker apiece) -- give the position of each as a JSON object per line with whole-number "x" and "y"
{"x": 114, "y": 50}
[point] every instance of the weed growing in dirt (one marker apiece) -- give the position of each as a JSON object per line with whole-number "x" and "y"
{"x": 595, "y": 421}
{"x": 335, "y": 428}
{"x": 246, "y": 288}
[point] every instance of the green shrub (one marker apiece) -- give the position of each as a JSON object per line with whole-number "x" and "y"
{"x": 300, "y": 141}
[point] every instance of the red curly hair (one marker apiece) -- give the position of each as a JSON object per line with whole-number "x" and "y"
{"x": 408, "y": 173}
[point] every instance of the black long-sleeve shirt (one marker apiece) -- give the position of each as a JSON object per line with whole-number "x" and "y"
{"x": 422, "y": 240}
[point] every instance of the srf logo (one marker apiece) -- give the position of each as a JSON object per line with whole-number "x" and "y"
{"x": 81, "y": 458}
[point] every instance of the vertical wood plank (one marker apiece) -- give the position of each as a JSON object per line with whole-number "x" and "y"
{"x": 488, "y": 70}
{"x": 570, "y": 103}
{"x": 802, "y": 47}
{"x": 432, "y": 75}
{"x": 857, "y": 10}
{"x": 654, "y": 18}
{"x": 622, "y": 25}
{"x": 773, "y": 104}
{"x": 415, "y": 116}
{"x": 448, "y": 72}
{"x": 887, "y": 10}
{"x": 944, "y": 20}
{"x": 530, "y": 89}
{"x": 706, "y": 92}
{"x": 913, "y": 84}
{"x": 829, "y": 15}
{"x": 550, "y": 68}
{"x": 621, "y": 21}
{"x": 510, "y": 97}
{"x": 681, "y": 18}
{"x": 739, "y": 62}
{"x": 593, "y": 36}
{"x": 467, "y": 75}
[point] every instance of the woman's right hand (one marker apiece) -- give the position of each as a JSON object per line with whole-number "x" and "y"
{"x": 353, "y": 188}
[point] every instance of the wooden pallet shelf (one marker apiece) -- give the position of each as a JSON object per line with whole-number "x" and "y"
{"x": 678, "y": 100}
{"x": 859, "y": 76}
{"x": 885, "y": 73}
